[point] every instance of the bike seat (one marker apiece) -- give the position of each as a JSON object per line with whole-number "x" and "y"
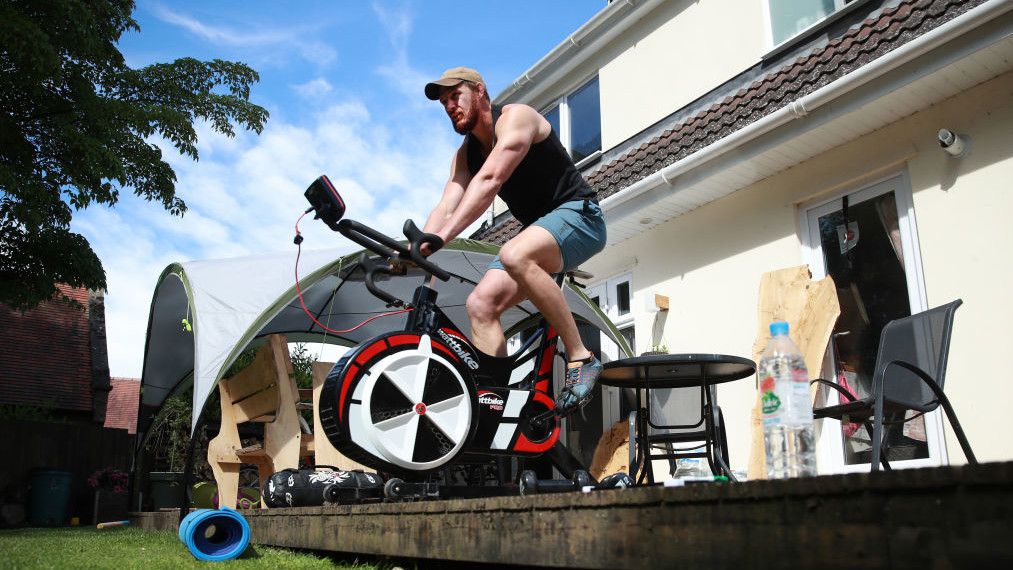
{"x": 572, "y": 274}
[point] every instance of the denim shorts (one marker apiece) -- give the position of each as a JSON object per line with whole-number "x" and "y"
{"x": 579, "y": 229}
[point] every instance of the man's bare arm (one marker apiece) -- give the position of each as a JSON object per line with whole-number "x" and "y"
{"x": 518, "y": 128}
{"x": 452, "y": 193}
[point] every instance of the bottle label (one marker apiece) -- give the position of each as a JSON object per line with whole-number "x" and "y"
{"x": 769, "y": 401}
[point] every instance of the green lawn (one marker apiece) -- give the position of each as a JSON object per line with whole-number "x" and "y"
{"x": 125, "y": 548}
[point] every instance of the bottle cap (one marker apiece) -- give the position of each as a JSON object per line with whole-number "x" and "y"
{"x": 778, "y": 328}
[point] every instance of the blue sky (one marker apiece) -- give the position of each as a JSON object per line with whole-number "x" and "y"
{"x": 343, "y": 83}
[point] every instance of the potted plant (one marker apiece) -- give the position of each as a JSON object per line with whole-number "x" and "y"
{"x": 167, "y": 444}
{"x": 656, "y": 349}
{"x": 110, "y": 488}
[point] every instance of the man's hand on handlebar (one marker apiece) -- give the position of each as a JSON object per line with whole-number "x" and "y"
{"x": 422, "y": 244}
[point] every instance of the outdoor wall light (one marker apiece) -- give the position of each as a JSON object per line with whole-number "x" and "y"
{"x": 955, "y": 145}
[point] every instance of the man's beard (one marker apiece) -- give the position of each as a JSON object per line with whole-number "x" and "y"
{"x": 468, "y": 123}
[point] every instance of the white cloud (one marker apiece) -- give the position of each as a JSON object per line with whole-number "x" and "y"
{"x": 245, "y": 194}
{"x": 315, "y": 90}
{"x": 397, "y": 24}
{"x": 297, "y": 39}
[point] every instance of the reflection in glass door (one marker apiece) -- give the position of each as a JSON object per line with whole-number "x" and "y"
{"x": 866, "y": 242}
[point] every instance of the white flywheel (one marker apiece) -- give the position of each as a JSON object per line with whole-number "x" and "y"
{"x": 417, "y": 408}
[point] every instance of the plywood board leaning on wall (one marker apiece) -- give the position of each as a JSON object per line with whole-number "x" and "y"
{"x": 612, "y": 453}
{"x": 811, "y": 309}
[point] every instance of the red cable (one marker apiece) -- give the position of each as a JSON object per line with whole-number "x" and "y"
{"x": 302, "y": 303}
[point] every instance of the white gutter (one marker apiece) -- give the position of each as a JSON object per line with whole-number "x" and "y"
{"x": 602, "y": 28}
{"x": 804, "y": 105}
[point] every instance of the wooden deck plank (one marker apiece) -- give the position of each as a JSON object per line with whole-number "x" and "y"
{"x": 909, "y": 518}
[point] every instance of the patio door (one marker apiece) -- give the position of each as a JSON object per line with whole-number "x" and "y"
{"x": 583, "y": 429}
{"x": 867, "y": 241}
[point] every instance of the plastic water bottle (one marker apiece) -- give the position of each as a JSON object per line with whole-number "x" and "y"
{"x": 787, "y": 409}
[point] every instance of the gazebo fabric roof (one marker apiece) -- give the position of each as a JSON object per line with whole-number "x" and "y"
{"x": 230, "y": 303}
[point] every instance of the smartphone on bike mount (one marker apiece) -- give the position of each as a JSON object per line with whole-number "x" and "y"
{"x": 326, "y": 202}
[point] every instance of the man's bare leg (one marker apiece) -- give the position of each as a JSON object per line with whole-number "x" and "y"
{"x": 529, "y": 258}
{"x": 493, "y": 295}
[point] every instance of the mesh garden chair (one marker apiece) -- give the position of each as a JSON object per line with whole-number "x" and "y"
{"x": 909, "y": 374}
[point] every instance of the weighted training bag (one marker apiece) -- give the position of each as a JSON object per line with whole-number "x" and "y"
{"x": 618, "y": 480}
{"x": 314, "y": 487}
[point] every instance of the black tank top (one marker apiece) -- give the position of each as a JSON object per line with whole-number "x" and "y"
{"x": 545, "y": 178}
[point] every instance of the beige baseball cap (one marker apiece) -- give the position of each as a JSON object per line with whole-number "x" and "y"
{"x": 452, "y": 77}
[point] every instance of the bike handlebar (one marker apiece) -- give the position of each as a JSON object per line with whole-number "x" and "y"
{"x": 372, "y": 268}
{"x": 391, "y": 249}
{"x": 417, "y": 238}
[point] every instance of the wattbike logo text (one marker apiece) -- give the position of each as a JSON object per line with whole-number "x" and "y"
{"x": 458, "y": 350}
{"x": 491, "y": 399}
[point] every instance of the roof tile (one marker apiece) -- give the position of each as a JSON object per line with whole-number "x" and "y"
{"x": 47, "y": 354}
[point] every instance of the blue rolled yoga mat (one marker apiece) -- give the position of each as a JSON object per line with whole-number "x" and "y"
{"x": 215, "y": 534}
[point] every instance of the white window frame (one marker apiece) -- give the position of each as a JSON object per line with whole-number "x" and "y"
{"x": 841, "y": 7}
{"x": 563, "y": 103}
{"x": 606, "y": 290}
{"x": 830, "y": 447}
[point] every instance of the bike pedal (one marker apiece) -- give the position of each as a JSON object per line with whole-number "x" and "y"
{"x": 541, "y": 419}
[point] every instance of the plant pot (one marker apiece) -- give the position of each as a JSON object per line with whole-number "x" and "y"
{"x": 166, "y": 487}
{"x": 109, "y": 506}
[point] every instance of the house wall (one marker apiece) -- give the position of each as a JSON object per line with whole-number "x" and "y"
{"x": 661, "y": 68}
{"x": 709, "y": 261}
{"x": 637, "y": 90}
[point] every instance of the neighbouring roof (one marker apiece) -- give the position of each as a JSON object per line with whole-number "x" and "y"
{"x": 121, "y": 407}
{"x": 858, "y": 46}
{"x": 47, "y": 354}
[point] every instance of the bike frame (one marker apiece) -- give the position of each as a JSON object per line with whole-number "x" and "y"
{"x": 506, "y": 393}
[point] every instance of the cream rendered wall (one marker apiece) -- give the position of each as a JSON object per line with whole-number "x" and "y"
{"x": 700, "y": 45}
{"x": 964, "y": 210}
{"x": 673, "y": 56}
{"x": 709, "y": 261}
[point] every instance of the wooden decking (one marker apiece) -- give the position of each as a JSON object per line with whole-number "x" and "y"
{"x": 939, "y": 517}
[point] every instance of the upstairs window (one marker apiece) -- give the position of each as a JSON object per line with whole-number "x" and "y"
{"x": 790, "y": 17}
{"x": 576, "y": 118}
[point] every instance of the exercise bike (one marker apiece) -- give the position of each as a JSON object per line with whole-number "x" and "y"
{"x": 414, "y": 401}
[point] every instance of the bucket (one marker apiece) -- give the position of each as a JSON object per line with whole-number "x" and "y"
{"x": 48, "y": 497}
{"x": 204, "y": 495}
{"x": 166, "y": 487}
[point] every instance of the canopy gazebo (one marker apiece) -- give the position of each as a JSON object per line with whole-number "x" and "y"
{"x": 204, "y": 314}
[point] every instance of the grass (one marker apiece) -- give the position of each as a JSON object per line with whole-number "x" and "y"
{"x": 125, "y": 548}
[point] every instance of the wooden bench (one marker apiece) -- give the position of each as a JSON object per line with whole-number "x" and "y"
{"x": 264, "y": 392}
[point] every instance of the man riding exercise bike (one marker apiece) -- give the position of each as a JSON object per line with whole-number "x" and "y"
{"x": 513, "y": 153}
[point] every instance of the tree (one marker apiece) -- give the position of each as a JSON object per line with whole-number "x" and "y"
{"x": 76, "y": 124}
